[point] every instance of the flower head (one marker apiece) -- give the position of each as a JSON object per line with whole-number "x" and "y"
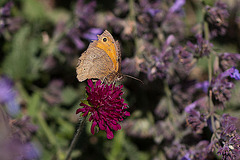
{"x": 227, "y": 145}
{"x": 184, "y": 58}
{"x": 5, "y": 13}
{"x": 177, "y": 6}
{"x": 221, "y": 86}
{"x": 7, "y": 21}
{"x": 199, "y": 151}
{"x": 217, "y": 18}
{"x": 235, "y": 73}
{"x": 106, "y": 107}
{"x": 202, "y": 48}
{"x": 84, "y": 28}
{"x": 23, "y": 129}
{"x": 157, "y": 62}
{"x": 196, "y": 120}
{"x": 227, "y": 60}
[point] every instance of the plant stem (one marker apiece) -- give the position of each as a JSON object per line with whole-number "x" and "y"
{"x": 75, "y": 139}
{"x": 171, "y": 109}
{"x": 206, "y": 33}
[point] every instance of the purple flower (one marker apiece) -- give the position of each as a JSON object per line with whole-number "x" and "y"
{"x": 7, "y": 22}
{"x": 84, "y": 28}
{"x": 221, "y": 87}
{"x": 8, "y": 96}
{"x": 75, "y": 35}
{"x": 85, "y": 12}
{"x": 183, "y": 93}
{"x": 15, "y": 136}
{"x": 105, "y": 106}
{"x": 175, "y": 151}
{"x": 198, "y": 152}
{"x": 186, "y": 157}
{"x": 23, "y": 129}
{"x": 92, "y": 33}
{"x": 173, "y": 24}
{"x": 150, "y": 16}
{"x": 14, "y": 149}
{"x": 53, "y": 92}
{"x": 5, "y": 12}
{"x": 216, "y": 17}
{"x": 184, "y": 59}
{"x": 177, "y": 6}
{"x": 152, "y": 11}
{"x": 200, "y": 103}
{"x": 228, "y": 141}
{"x": 202, "y": 48}
{"x": 203, "y": 85}
{"x": 196, "y": 120}
{"x": 234, "y": 73}
{"x": 122, "y": 8}
{"x": 227, "y": 60}
{"x": 157, "y": 62}
{"x": 130, "y": 66}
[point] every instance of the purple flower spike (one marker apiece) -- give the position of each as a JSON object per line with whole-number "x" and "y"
{"x": 227, "y": 60}
{"x": 153, "y": 12}
{"x": 196, "y": 120}
{"x": 234, "y": 73}
{"x": 177, "y": 6}
{"x": 221, "y": 86}
{"x": 92, "y": 33}
{"x": 8, "y": 96}
{"x": 201, "y": 48}
{"x": 227, "y": 145}
{"x": 106, "y": 108}
{"x": 217, "y": 18}
{"x": 5, "y": 11}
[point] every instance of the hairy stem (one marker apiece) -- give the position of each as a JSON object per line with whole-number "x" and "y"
{"x": 75, "y": 139}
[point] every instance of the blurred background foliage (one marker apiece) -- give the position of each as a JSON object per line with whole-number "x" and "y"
{"x": 39, "y": 53}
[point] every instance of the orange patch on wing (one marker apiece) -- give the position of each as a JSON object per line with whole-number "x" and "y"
{"x": 110, "y": 49}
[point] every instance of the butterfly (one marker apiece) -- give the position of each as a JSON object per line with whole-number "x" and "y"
{"x": 101, "y": 60}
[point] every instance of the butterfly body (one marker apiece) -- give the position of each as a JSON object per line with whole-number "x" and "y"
{"x": 101, "y": 60}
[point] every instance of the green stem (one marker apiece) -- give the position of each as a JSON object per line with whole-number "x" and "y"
{"x": 206, "y": 33}
{"x": 168, "y": 93}
{"x": 75, "y": 139}
{"x": 46, "y": 129}
{"x": 131, "y": 10}
{"x": 132, "y": 18}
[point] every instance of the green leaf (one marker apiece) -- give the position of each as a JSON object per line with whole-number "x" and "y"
{"x": 69, "y": 95}
{"x": 117, "y": 147}
{"x": 34, "y": 10}
{"x": 34, "y": 104}
{"x": 21, "y": 61}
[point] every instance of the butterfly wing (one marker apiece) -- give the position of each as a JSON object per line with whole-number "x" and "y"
{"x": 102, "y": 60}
{"x": 94, "y": 63}
{"x": 108, "y": 44}
{"x": 119, "y": 56}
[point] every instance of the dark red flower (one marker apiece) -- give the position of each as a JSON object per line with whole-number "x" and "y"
{"x": 106, "y": 107}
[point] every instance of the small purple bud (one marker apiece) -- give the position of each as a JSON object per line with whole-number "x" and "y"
{"x": 177, "y": 6}
{"x": 92, "y": 33}
{"x": 234, "y": 73}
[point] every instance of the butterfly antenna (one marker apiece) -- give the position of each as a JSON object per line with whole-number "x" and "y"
{"x": 134, "y": 78}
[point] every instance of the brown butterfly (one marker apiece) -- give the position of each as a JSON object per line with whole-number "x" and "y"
{"x": 101, "y": 60}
